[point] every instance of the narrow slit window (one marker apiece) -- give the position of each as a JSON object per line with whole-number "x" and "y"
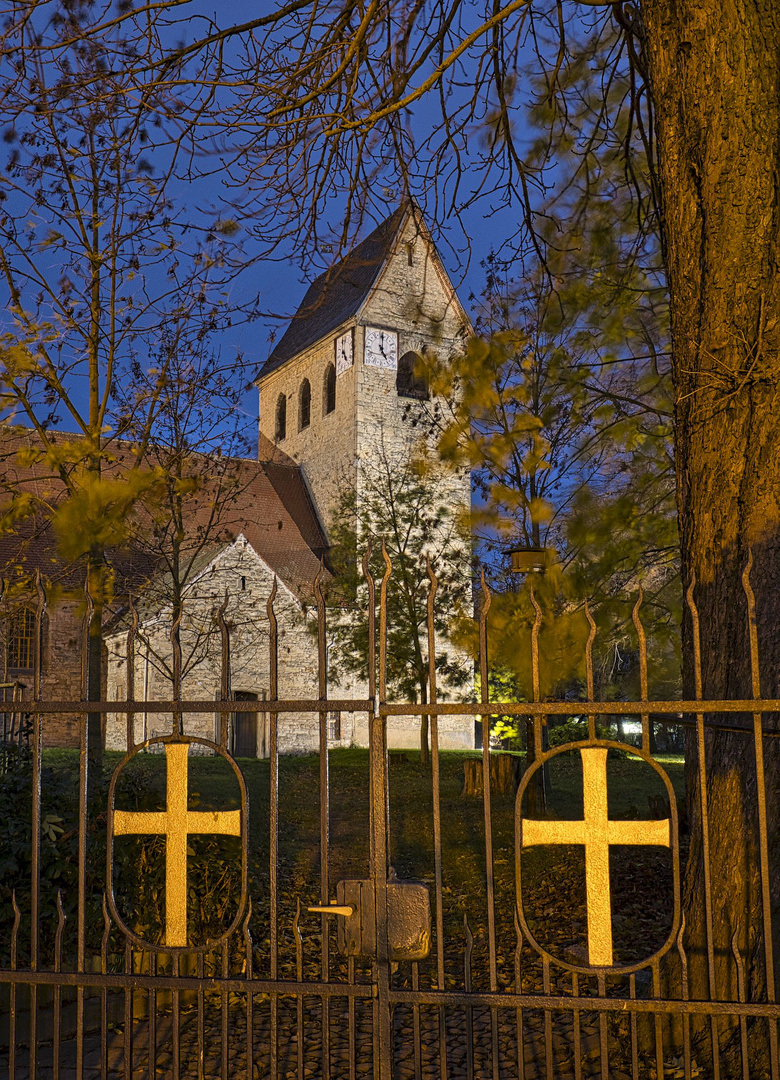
{"x": 334, "y": 726}
{"x": 329, "y": 391}
{"x": 281, "y": 418}
{"x": 304, "y": 405}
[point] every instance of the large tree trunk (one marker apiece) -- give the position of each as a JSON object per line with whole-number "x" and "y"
{"x": 715, "y": 77}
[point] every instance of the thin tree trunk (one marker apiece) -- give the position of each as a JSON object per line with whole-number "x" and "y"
{"x": 424, "y": 725}
{"x": 714, "y": 72}
{"x": 536, "y": 795}
{"x": 96, "y": 584}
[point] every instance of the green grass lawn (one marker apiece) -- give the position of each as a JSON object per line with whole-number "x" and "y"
{"x": 632, "y": 787}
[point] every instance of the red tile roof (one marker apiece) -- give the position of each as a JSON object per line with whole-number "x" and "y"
{"x": 336, "y": 295}
{"x": 266, "y": 500}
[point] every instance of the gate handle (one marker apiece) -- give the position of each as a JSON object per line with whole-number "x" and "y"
{"x": 333, "y": 909}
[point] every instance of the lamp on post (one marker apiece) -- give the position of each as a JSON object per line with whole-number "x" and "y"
{"x": 530, "y": 560}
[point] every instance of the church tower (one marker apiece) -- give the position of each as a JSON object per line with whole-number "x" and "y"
{"x": 338, "y": 391}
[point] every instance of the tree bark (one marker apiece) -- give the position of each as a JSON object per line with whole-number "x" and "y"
{"x": 96, "y": 570}
{"x": 425, "y": 754}
{"x": 504, "y": 776}
{"x": 714, "y": 70}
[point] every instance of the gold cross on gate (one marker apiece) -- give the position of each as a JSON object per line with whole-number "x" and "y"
{"x": 176, "y": 824}
{"x": 596, "y": 832}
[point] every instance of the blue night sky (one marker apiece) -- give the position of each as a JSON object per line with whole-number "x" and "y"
{"x": 463, "y": 244}
{"x": 274, "y": 285}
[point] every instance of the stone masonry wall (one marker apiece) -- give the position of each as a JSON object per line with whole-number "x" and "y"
{"x": 327, "y": 448}
{"x": 201, "y": 654}
{"x": 412, "y": 297}
{"x": 60, "y": 669}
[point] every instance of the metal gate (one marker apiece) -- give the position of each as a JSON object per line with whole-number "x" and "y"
{"x": 380, "y": 955}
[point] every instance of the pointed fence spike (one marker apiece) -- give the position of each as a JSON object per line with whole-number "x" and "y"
{"x": 388, "y": 560}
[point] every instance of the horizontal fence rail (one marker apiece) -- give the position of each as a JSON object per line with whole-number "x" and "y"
{"x": 668, "y": 710}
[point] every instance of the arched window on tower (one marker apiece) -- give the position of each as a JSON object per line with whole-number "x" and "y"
{"x": 407, "y": 382}
{"x": 304, "y": 405}
{"x": 281, "y": 417}
{"x": 329, "y": 391}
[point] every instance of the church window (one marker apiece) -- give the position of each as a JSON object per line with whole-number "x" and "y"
{"x": 21, "y": 640}
{"x": 304, "y": 405}
{"x": 329, "y": 391}
{"x": 281, "y": 418}
{"x": 407, "y": 382}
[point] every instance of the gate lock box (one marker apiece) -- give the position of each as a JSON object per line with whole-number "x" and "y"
{"x": 408, "y": 919}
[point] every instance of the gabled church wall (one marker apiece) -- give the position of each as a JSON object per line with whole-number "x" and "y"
{"x": 250, "y": 667}
{"x": 201, "y": 655}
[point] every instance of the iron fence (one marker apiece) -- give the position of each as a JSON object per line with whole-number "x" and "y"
{"x": 370, "y": 921}
{"x": 17, "y": 725}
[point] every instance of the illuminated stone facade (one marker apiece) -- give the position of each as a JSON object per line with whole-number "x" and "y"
{"x": 394, "y": 285}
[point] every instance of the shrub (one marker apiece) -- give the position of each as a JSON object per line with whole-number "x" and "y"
{"x": 575, "y": 729}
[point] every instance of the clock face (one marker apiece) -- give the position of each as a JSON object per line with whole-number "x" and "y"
{"x": 381, "y": 348}
{"x": 344, "y": 354}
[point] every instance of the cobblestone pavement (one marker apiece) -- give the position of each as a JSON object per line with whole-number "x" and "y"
{"x": 468, "y": 1047}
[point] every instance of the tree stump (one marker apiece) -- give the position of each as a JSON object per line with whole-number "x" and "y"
{"x": 504, "y": 775}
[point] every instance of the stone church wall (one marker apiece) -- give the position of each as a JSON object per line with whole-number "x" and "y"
{"x": 375, "y": 426}
{"x": 327, "y": 447}
{"x": 201, "y": 655}
{"x": 61, "y": 669}
{"x": 249, "y": 662}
